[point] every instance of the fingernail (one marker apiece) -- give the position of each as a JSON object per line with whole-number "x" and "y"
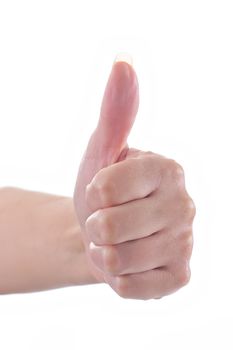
{"x": 97, "y": 255}
{"x": 124, "y": 57}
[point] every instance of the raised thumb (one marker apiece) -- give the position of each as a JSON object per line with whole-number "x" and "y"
{"x": 117, "y": 114}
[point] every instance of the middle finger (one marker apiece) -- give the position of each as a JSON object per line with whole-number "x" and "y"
{"x": 129, "y": 221}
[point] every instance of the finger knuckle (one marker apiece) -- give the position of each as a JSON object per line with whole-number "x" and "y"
{"x": 183, "y": 275}
{"x": 99, "y": 227}
{"x": 175, "y": 171}
{"x": 186, "y": 246}
{"x": 92, "y": 227}
{"x": 104, "y": 188}
{"x": 189, "y": 209}
{"x": 123, "y": 286}
{"x": 106, "y": 224}
{"x": 111, "y": 260}
{"x": 148, "y": 153}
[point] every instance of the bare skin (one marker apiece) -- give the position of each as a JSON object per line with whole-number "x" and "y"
{"x": 129, "y": 223}
{"x": 40, "y": 242}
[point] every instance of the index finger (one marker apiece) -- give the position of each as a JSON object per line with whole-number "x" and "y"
{"x": 119, "y": 183}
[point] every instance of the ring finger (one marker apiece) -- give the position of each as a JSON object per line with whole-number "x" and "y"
{"x": 134, "y": 256}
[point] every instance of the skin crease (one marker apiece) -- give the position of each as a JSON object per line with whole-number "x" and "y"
{"x": 129, "y": 223}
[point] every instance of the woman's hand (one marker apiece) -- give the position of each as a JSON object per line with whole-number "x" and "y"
{"x": 141, "y": 225}
{"x": 135, "y": 214}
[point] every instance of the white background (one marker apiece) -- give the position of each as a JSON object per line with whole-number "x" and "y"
{"x": 55, "y": 58}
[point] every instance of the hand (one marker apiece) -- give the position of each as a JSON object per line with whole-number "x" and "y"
{"x": 136, "y": 215}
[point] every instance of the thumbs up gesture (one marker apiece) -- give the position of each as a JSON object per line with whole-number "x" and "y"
{"x": 133, "y": 208}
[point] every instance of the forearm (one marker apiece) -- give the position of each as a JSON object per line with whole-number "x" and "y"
{"x": 40, "y": 242}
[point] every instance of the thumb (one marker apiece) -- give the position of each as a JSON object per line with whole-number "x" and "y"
{"x": 117, "y": 114}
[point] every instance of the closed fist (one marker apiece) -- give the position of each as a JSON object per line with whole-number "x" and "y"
{"x": 141, "y": 226}
{"x": 135, "y": 213}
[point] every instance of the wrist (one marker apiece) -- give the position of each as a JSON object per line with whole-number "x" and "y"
{"x": 79, "y": 271}
{"x": 43, "y": 247}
